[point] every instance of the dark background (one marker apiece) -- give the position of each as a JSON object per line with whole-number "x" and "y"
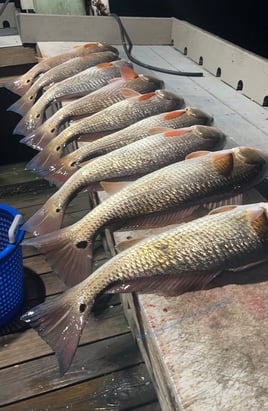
{"x": 243, "y": 23}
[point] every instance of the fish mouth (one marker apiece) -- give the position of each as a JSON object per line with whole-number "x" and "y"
{"x": 250, "y": 155}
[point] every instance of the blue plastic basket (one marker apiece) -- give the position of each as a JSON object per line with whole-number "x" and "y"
{"x": 11, "y": 267}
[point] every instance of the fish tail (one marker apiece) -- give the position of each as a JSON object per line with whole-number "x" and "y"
{"x": 47, "y": 219}
{"x": 28, "y": 123}
{"x": 62, "y": 171}
{"x": 22, "y": 105}
{"x": 41, "y": 136}
{"x": 18, "y": 86}
{"x": 70, "y": 258}
{"x": 44, "y": 161}
{"x": 60, "y": 322}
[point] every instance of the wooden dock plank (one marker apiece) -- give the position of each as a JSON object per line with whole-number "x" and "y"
{"x": 111, "y": 323}
{"x": 41, "y": 375}
{"x": 124, "y": 389}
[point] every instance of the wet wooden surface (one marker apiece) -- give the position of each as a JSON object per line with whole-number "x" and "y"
{"x": 108, "y": 371}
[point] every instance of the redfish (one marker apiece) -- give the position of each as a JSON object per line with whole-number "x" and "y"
{"x": 112, "y": 118}
{"x": 60, "y": 72}
{"x": 94, "y": 102}
{"x": 126, "y": 163}
{"x": 165, "y": 196}
{"x": 158, "y": 123}
{"x": 79, "y": 84}
{"x": 185, "y": 258}
{"x": 24, "y": 82}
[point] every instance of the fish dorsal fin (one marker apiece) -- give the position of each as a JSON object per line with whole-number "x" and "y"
{"x": 159, "y": 130}
{"x": 223, "y": 209}
{"x": 174, "y": 114}
{"x": 127, "y": 73}
{"x": 196, "y": 154}
{"x": 104, "y": 65}
{"x": 223, "y": 162}
{"x": 113, "y": 187}
{"x": 124, "y": 245}
{"x": 169, "y": 285}
{"x": 146, "y": 96}
{"x": 88, "y": 45}
{"x": 177, "y": 132}
{"x": 129, "y": 93}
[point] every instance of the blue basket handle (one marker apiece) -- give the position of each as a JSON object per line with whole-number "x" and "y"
{"x": 18, "y": 220}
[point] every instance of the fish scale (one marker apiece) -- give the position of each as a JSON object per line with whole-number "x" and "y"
{"x": 134, "y": 132}
{"x": 181, "y": 259}
{"x": 92, "y": 79}
{"x": 119, "y": 115}
{"x": 164, "y": 197}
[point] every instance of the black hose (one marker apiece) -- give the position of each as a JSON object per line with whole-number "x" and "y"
{"x": 127, "y": 45}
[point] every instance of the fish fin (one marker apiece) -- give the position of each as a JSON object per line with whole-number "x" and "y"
{"x": 127, "y": 73}
{"x": 223, "y": 163}
{"x": 234, "y": 200}
{"x": 21, "y": 128}
{"x": 103, "y": 65}
{"x": 223, "y": 209}
{"x": 113, "y": 187}
{"x": 47, "y": 219}
{"x": 156, "y": 220}
{"x": 41, "y": 162}
{"x": 128, "y": 93}
{"x": 18, "y": 86}
{"x": 72, "y": 262}
{"x": 159, "y": 130}
{"x": 59, "y": 322}
{"x": 174, "y": 114}
{"x": 196, "y": 154}
{"x": 146, "y": 96}
{"x": 57, "y": 177}
{"x": 48, "y": 86}
{"x": 168, "y": 285}
{"x": 22, "y": 105}
{"x": 247, "y": 266}
{"x": 37, "y": 139}
{"x": 124, "y": 245}
{"x": 177, "y": 132}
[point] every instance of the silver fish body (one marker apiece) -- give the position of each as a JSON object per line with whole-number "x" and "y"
{"x": 56, "y": 74}
{"x": 24, "y": 82}
{"x": 137, "y": 131}
{"x": 160, "y": 198}
{"x": 182, "y": 259}
{"x": 115, "y": 117}
{"x": 92, "y": 103}
{"x": 126, "y": 163}
{"x": 79, "y": 84}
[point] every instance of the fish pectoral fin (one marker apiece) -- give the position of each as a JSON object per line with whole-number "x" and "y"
{"x": 247, "y": 266}
{"x": 113, "y": 187}
{"x": 196, "y": 154}
{"x": 177, "y": 132}
{"x": 159, "y": 130}
{"x": 124, "y": 245}
{"x": 225, "y": 203}
{"x": 128, "y": 73}
{"x": 128, "y": 93}
{"x": 168, "y": 285}
{"x": 223, "y": 209}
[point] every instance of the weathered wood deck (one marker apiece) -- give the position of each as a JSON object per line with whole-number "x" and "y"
{"x": 108, "y": 372}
